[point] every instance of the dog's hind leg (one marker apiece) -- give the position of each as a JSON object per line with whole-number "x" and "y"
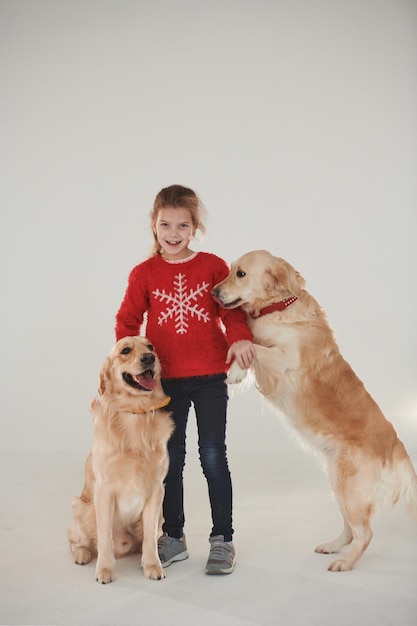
{"x": 362, "y": 535}
{"x": 354, "y": 482}
{"x": 344, "y": 539}
{"x": 356, "y": 533}
{"x": 81, "y": 536}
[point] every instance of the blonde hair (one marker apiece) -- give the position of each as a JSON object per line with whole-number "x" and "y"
{"x": 177, "y": 197}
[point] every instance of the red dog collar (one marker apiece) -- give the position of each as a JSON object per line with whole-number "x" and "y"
{"x": 277, "y": 306}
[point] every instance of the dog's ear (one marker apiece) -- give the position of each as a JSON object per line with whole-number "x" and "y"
{"x": 271, "y": 282}
{"x": 104, "y": 378}
{"x": 296, "y": 282}
{"x": 284, "y": 280}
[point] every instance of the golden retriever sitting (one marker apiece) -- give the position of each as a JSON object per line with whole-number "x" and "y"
{"x": 120, "y": 509}
{"x": 300, "y": 371}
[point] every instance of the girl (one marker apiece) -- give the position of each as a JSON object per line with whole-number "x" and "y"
{"x": 195, "y": 340}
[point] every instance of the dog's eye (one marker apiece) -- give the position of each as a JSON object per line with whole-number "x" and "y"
{"x": 240, "y": 273}
{"x": 126, "y": 350}
{"x": 150, "y": 347}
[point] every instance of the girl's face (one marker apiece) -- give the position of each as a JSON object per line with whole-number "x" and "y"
{"x": 174, "y": 230}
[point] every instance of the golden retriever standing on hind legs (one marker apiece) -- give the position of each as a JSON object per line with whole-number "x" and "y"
{"x": 300, "y": 371}
{"x": 120, "y": 509}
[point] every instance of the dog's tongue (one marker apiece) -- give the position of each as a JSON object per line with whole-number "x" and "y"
{"x": 146, "y": 380}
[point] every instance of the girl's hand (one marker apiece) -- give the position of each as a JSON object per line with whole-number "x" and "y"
{"x": 243, "y": 352}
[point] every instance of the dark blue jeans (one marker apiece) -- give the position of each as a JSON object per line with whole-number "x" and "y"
{"x": 209, "y": 395}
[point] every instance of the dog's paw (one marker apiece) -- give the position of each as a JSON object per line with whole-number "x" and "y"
{"x": 235, "y": 375}
{"x": 325, "y": 548}
{"x": 81, "y": 556}
{"x": 154, "y": 572}
{"x": 339, "y": 566}
{"x": 104, "y": 575}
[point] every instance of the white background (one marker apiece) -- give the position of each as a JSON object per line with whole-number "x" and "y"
{"x": 295, "y": 121}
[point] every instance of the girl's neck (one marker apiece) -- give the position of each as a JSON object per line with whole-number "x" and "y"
{"x": 179, "y": 258}
{"x": 182, "y": 256}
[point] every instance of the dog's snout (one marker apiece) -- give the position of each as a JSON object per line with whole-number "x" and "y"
{"x": 215, "y": 292}
{"x": 147, "y": 359}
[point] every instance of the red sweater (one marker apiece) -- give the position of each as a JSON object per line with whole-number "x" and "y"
{"x": 190, "y": 331}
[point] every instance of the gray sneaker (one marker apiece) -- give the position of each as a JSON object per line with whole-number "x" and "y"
{"x": 222, "y": 556}
{"x": 171, "y": 549}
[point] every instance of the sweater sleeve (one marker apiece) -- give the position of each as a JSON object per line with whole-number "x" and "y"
{"x": 129, "y": 317}
{"x": 235, "y": 323}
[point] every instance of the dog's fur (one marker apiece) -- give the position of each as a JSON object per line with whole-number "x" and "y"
{"x": 120, "y": 508}
{"x": 300, "y": 371}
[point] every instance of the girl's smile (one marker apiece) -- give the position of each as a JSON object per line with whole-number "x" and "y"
{"x": 174, "y": 230}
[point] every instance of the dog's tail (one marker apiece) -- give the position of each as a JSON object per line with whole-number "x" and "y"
{"x": 408, "y": 478}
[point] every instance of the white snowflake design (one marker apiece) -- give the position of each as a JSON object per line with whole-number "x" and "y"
{"x": 182, "y": 304}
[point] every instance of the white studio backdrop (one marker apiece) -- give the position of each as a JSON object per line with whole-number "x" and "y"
{"x": 295, "y": 121}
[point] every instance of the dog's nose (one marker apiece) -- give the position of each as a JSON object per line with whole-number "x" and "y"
{"x": 147, "y": 359}
{"x": 215, "y": 292}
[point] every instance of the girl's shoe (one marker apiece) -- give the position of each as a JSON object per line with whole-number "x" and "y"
{"x": 222, "y": 556}
{"x": 171, "y": 549}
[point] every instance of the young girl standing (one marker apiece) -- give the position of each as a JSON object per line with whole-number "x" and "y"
{"x": 195, "y": 340}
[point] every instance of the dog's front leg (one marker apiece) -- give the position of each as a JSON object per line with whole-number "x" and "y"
{"x": 104, "y": 504}
{"x": 235, "y": 374}
{"x": 151, "y": 563}
{"x": 270, "y": 367}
